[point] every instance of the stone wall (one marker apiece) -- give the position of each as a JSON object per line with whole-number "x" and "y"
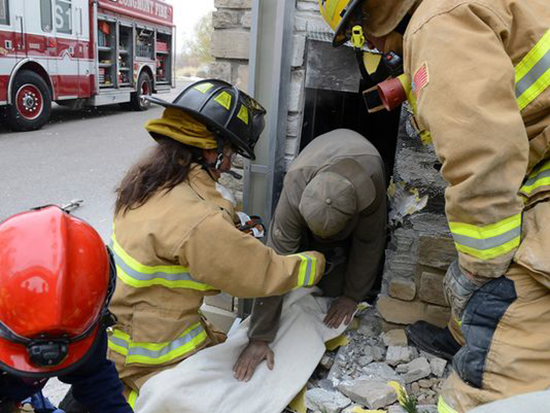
{"x": 421, "y": 247}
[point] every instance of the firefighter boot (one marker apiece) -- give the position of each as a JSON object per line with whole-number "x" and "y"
{"x": 433, "y": 340}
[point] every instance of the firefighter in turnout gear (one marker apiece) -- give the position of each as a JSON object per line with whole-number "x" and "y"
{"x": 175, "y": 239}
{"x": 477, "y": 75}
{"x": 56, "y": 280}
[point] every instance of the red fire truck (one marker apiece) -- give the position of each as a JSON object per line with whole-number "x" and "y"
{"x": 82, "y": 53}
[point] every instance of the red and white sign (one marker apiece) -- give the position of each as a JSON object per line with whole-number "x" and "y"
{"x": 152, "y": 10}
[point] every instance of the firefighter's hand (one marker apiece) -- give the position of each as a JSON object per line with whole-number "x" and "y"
{"x": 256, "y": 352}
{"x": 341, "y": 309}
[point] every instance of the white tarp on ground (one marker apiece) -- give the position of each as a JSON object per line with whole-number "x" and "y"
{"x": 204, "y": 383}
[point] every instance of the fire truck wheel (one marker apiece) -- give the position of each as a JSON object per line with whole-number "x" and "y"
{"x": 145, "y": 88}
{"x": 31, "y": 102}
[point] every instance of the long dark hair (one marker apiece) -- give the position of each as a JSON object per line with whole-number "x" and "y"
{"x": 163, "y": 168}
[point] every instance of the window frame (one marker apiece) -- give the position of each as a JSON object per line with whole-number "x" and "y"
{"x": 47, "y": 28}
{"x": 6, "y": 21}
{"x": 59, "y": 30}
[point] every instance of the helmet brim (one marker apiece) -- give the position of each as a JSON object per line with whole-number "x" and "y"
{"x": 213, "y": 126}
{"x": 340, "y": 34}
{"x": 14, "y": 357}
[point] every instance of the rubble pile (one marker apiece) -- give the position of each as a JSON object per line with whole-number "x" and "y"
{"x": 356, "y": 376}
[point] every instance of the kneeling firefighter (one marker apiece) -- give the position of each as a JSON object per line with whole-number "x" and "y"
{"x": 477, "y": 75}
{"x": 175, "y": 239}
{"x": 56, "y": 280}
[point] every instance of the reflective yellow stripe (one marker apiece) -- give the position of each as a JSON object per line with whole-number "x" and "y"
{"x": 224, "y": 99}
{"x": 533, "y": 72}
{"x": 132, "y": 397}
{"x": 157, "y": 353}
{"x": 243, "y": 114}
{"x": 204, "y": 87}
{"x": 443, "y": 407}
{"x": 307, "y": 271}
{"x": 490, "y": 241}
{"x": 137, "y": 275}
{"x": 539, "y": 177}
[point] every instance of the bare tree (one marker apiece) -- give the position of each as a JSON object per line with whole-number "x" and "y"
{"x": 200, "y": 47}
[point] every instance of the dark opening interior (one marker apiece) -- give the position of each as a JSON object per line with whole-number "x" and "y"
{"x": 326, "y": 110}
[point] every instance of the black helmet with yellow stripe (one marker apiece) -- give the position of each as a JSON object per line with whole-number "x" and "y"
{"x": 226, "y": 112}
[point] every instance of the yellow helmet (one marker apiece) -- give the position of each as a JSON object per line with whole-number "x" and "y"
{"x": 338, "y": 13}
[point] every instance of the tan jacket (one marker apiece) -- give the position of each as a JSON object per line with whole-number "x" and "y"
{"x": 362, "y": 242}
{"x": 177, "y": 248}
{"x": 481, "y": 71}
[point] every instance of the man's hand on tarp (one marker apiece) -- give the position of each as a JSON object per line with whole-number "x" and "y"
{"x": 341, "y": 309}
{"x": 256, "y": 352}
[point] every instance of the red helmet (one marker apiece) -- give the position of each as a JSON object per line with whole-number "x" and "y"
{"x": 56, "y": 280}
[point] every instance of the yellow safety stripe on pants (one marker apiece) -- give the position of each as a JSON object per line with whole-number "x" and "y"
{"x": 137, "y": 275}
{"x": 306, "y": 275}
{"x": 443, "y": 407}
{"x": 132, "y": 398}
{"x": 490, "y": 241}
{"x": 533, "y": 72}
{"x": 539, "y": 177}
{"x": 157, "y": 353}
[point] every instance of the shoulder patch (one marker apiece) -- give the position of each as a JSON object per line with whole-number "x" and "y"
{"x": 421, "y": 78}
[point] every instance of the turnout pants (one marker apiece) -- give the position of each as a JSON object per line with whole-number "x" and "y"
{"x": 506, "y": 327}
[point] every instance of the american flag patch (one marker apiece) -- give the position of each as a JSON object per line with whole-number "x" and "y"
{"x": 421, "y": 78}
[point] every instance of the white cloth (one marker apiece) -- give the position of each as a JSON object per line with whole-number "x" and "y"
{"x": 204, "y": 383}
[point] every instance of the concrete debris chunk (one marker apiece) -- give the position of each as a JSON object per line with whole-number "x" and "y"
{"x": 367, "y": 357}
{"x": 396, "y": 409}
{"x": 395, "y": 338}
{"x": 398, "y": 355}
{"x": 438, "y": 366}
{"x": 381, "y": 372}
{"x": 371, "y": 393}
{"x": 428, "y": 408}
{"x": 415, "y": 370}
{"x": 327, "y": 361}
{"x": 326, "y": 401}
{"x": 378, "y": 353}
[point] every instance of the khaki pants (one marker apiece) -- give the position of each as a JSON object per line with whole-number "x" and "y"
{"x": 506, "y": 327}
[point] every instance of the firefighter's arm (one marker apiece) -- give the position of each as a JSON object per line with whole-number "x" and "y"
{"x": 466, "y": 100}
{"x": 220, "y": 255}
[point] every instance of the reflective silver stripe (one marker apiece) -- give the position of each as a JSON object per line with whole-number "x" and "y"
{"x": 543, "y": 174}
{"x": 183, "y": 276}
{"x": 533, "y": 75}
{"x": 487, "y": 243}
{"x": 308, "y": 269}
{"x": 135, "y": 350}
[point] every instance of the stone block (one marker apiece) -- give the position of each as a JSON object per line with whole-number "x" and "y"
{"x": 402, "y": 288}
{"x": 220, "y": 70}
{"x": 230, "y": 44}
{"x": 233, "y": 4}
{"x": 296, "y": 94}
{"x": 436, "y": 251}
{"x": 408, "y": 312}
{"x": 326, "y": 401}
{"x": 307, "y": 6}
{"x": 246, "y": 20}
{"x": 438, "y": 315}
{"x": 398, "y": 355}
{"x": 300, "y": 24}
{"x": 225, "y": 19}
{"x": 431, "y": 288}
{"x": 395, "y": 337}
{"x": 242, "y": 78}
{"x": 292, "y": 146}
{"x": 294, "y": 125}
{"x": 371, "y": 393}
{"x": 415, "y": 370}
{"x": 298, "y": 50}
{"x": 438, "y": 366}
{"x": 380, "y": 371}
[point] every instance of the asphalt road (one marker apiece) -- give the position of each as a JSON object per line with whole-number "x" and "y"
{"x": 80, "y": 154}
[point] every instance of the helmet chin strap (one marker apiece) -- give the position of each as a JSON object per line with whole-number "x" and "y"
{"x": 219, "y": 161}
